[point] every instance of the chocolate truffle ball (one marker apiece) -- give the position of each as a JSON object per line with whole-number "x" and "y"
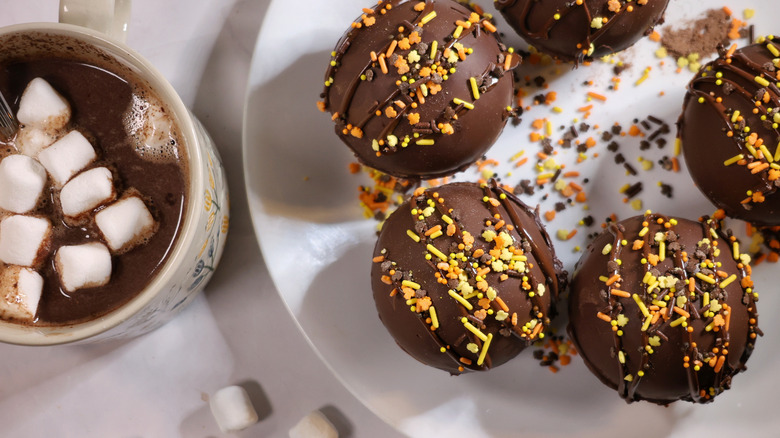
{"x": 465, "y": 277}
{"x": 663, "y": 309}
{"x": 581, "y": 30}
{"x": 729, "y": 132}
{"x": 419, "y": 89}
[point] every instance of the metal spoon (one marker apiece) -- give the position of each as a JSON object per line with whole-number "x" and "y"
{"x": 8, "y": 123}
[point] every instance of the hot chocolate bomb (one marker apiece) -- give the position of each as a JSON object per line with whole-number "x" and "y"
{"x": 663, "y": 309}
{"x": 465, "y": 277}
{"x": 729, "y": 129}
{"x": 419, "y": 89}
{"x": 576, "y": 30}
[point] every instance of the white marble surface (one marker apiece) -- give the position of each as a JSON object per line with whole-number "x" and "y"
{"x": 237, "y": 332}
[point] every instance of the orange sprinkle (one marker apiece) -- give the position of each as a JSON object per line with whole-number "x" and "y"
{"x": 433, "y": 230}
{"x": 585, "y": 109}
{"x": 571, "y": 174}
{"x": 731, "y": 51}
{"x": 386, "y": 280}
{"x": 597, "y": 96}
{"x": 613, "y": 279}
{"x": 581, "y": 197}
{"x": 521, "y": 162}
{"x": 719, "y": 364}
{"x": 634, "y": 131}
{"x": 681, "y": 312}
{"x": 654, "y": 36}
{"x": 502, "y": 304}
{"x": 549, "y": 215}
{"x": 620, "y": 293}
{"x": 383, "y": 64}
{"x": 604, "y": 317}
{"x": 378, "y": 259}
{"x": 675, "y": 164}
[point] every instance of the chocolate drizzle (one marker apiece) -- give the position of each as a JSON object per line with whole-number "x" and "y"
{"x": 574, "y": 32}
{"x": 679, "y": 329}
{"x": 508, "y": 301}
{"x": 740, "y": 95}
{"x": 385, "y": 70}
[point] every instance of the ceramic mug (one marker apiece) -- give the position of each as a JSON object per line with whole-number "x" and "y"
{"x": 203, "y": 229}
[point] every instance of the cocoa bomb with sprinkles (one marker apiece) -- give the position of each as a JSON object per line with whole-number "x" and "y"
{"x": 464, "y": 276}
{"x": 730, "y": 130}
{"x": 420, "y": 89}
{"x": 580, "y": 30}
{"x": 663, "y": 309}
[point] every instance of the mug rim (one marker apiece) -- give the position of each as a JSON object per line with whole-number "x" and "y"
{"x": 19, "y": 334}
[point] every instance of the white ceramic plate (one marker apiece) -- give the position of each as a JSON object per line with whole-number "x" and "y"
{"x": 318, "y": 246}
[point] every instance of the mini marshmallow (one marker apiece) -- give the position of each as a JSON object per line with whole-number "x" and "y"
{"x": 82, "y": 266}
{"x": 232, "y": 409}
{"x": 24, "y": 239}
{"x": 21, "y": 183}
{"x": 31, "y": 140}
{"x": 126, "y": 223}
{"x": 67, "y": 156}
{"x": 20, "y": 292}
{"x": 42, "y": 106}
{"x": 87, "y": 191}
{"x": 314, "y": 425}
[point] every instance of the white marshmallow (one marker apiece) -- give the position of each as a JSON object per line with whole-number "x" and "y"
{"x": 31, "y": 140}
{"x": 67, "y": 156}
{"x": 23, "y": 239}
{"x": 87, "y": 191}
{"x": 41, "y": 106}
{"x": 21, "y": 183}
{"x": 314, "y": 425}
{"x": 20, "y": 292}
{"x": 125, "y": 223}
{"x": 82, "y": 266}
{"x": 232, "y": 409}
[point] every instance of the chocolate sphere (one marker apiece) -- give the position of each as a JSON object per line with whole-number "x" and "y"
{"x": 419, "y": 89}
{"x": 729, "y": 133}
{"x": 662, "y": 310}
{"x": 580, "y": 30}
{"x": 465, "y": 277}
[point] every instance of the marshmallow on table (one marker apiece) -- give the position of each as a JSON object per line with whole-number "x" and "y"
{"x": 314, "y": 425}
{"x": 41, "y": 106}
{"x": 20, "y": 292}
{"x": 67, "y": 156}
{"x": 126, "y": 223}
{"x": 87, "y": 191}
{"x": 21, "y": 183}
{"x": 31, "y": 140}
{"x": 232, "y": 409}
{"x": 82, "y": 266}
{"x": 24, "y": 240}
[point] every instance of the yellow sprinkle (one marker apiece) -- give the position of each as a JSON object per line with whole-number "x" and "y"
{"x": 752, "y": 150}
{"x": 411, "y": 284}
{"x": 485, "y": 347}
{"x": 549, "y": 128}
{"x": 428, "y": 18}
{"x": 436, "y": 234}
{"x": 766, "y": 153}
{"x": 436, "y": 252}
{"x": 641, "y": 305}
{"x": 446, "y": 218}
{"x": 677, "y": 321}
{"x": 411, "y": 234}
{"x": 458, "y": 32}
{"x": 705, "y": 299}
{"x": 733, "y": 160}
{"x": 434, "y": 317}
{"x": 761, "y": 81}
{"x": 434, "y": 48}
{"x": 474, "y": 88}
{"x": 661, "y": 250}
{"x": 677, "y": 147}
{"x": 735, "y": 250}
{"x": 426, "y": 142}
{"x": 645, "y": 75}
{"x": 646, "y": 325}
{"x": 463, "y": 102}
{"x": 728, "y": 281}
{"x": 460, "y": 299}
{"x": 643, "y": 231}
{"x": 735, "y": 116}
{"x": 748, "y": 14}
{"x": 621, "y": 357}
{"x": 704, "y": 278}
{"x": 476, "y": 331}
{"x": 773, "y": 49}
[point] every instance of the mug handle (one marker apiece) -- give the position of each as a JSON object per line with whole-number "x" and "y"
{"x": 110, "y": 17}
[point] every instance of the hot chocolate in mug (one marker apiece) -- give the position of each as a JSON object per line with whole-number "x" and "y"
{"x": 150, "y": 148}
